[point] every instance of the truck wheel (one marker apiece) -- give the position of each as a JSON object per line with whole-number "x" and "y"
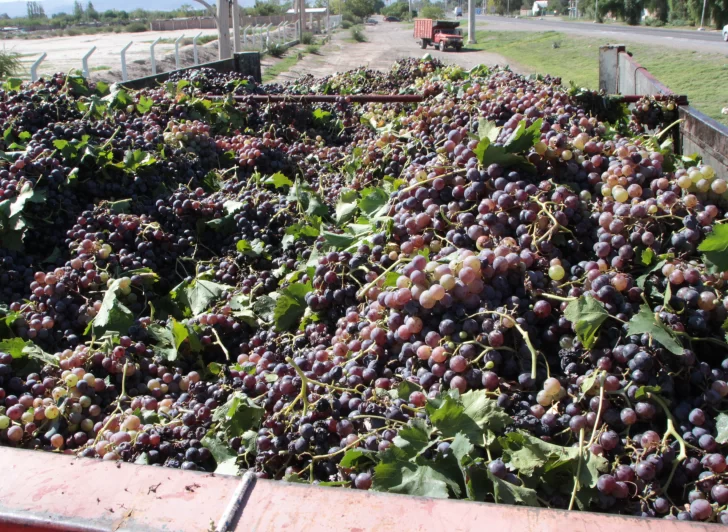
{"x": 423, "y": 44}
{"x": 458, "y": 47}
{"x": 442, "y": 46}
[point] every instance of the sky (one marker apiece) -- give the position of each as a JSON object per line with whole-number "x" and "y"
{"x": 17, "y": 8}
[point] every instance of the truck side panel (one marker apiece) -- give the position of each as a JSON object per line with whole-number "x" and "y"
{"x": 423, "y": 28}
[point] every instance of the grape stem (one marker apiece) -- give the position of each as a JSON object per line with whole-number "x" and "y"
{"x": 670, "y": 430}
{"x": 219, "y": 342}
{"x": 558, "y": 298}
{"x": 366, "y": 289}
{"x": 430, "y": 180}
{"x": 303, "y": 394}
{"x": 599, "y": 412}
{"x": 578, "y": 470}
{"x": 526, "y": 338}
{"x": 118, "y": 405}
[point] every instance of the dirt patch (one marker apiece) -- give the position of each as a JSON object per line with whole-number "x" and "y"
{"x": 387, "y": 43}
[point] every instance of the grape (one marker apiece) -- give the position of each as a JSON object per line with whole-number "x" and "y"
{"x": 701, "y": 510}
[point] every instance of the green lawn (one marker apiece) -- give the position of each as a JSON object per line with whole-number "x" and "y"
{"x": 699, "y": 75}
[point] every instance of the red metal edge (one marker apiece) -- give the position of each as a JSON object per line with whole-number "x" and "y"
{"x": 47, "y": 492}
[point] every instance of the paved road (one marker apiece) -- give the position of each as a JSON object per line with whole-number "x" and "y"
{"x": 701, "y": 41}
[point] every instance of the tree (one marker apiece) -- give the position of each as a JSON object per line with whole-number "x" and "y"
{"x": 91, "y": 12}
{"x": 360, "y": 9}
{"x": 433, "y": 11}
{"x": 77, "y": 10}
{"x": 35, "y": 10}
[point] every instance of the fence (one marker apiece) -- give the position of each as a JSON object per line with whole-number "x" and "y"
{"x": 314, "y": 21}
{"x": 619, "y": 73}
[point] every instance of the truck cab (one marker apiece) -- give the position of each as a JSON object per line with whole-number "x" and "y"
{"x": 438, "y": 33}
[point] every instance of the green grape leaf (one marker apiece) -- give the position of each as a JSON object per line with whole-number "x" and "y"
{"x": 196, "y": 296}
{"x": 587, "y": 314}
{"x": 346, "y": 206}
{"x": 488, "y": 130}
{"x": 374, "y": 202}
{"x": 225, "y": 457}
{"x": 414, "y": 438}
{"x": 278, "y": 180}
{"x": 506, "y": 493}
{"x": 291, "y": 306}
{"x": 645, "y": 321}
{"x": 524, "y": 138}
{"x": 715, "y": 248}
{"x": 113, "y": 314}
{"x": 237, "y": 415}
{"x": 395, "y": 475}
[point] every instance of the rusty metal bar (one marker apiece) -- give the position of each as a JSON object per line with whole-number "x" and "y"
{"x": 679, "y": 99}
{"x": 327, "y": 98}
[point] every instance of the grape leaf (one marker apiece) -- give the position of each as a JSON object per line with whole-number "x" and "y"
{"x": 721, "y": 427}
{"x": 295, "y": 231}
{"x": 373, "y": 202}
{"x": 474, "y": 415}
{"x": 587, "y": 314}
{"x": 290, "y": 306}
{"x": 645, "y": 321}
{"x": 524, "y": 138}
{"x": 354, "y": 457}
{"x": 404, "y": 389}
{"x": 113, "y": 314}
{"x": 264, "y": 307}
{"x": 346, "y": 206}
{"x": 278, "y": 180}
{"x": 488, "y": 130}
{"x": 145, "y": 104}
{"x": 14, "y": 347}
{"x": 506, "y": 493}
{"x": 402, "y": 476}
{"x": 237, "y": 415}
{"x": 414, "y": 438}
{"x": 196, "y": 296}
{"x": 647, "y": 256}
{"x": 225, "y": 457}
{"x": 256, "y": 249}
{"x": 715, "y": 248}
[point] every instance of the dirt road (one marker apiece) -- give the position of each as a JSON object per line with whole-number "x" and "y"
{"x": 387, "y": 42}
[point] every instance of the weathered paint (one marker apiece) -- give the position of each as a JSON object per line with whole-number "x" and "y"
{"x": 45, "y": 492}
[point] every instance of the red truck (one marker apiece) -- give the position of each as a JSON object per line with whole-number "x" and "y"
{"x": 439, "y": 33}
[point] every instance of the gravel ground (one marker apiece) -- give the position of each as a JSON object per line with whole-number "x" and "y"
{"x": 387, "y": 42}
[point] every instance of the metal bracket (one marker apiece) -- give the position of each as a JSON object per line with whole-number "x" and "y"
{"x": 35, "y": 65}
{"x": 176, "y": 51}
{"x": 84, "y": 61}
{"x": 228, "y": 519}
{"x": 153, "y": 60}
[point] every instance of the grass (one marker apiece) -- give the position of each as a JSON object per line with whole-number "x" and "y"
{"x": 9, "y": 63}
{"x": 696, "y": 74}
{"x": 284, "y": 65}
{"x": 312, "y": 49}
{"x": 358, "y": 35}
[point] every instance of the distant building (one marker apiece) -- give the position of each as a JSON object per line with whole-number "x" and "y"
{"x": 538, "y": 7}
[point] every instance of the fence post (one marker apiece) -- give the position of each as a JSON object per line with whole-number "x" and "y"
{"x": 176, "y": 51}
{"x": 124, "y": 77}
{"x": 194, "y": 48}
{"x": 267, "y": 35}
{"x": 84, "y": 61}
{"x": 35, "y": 65}
{"x": 151, "y": 51}
{"x": 245, "y": 36}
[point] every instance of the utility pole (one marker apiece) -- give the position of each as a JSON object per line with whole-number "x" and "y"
{"x": 702, "y": 17}
{"x": 223, "y": 29}
{"x": 471, "y": 22}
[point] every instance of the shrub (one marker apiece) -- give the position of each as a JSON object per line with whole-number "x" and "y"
{"x": 655, "y": 22}
{"x": 345, "y": 24}
{"x": 358, "y": 35}
{"x": 312, "y": 49}
{"x": 9, "y": 63}
{"x": 136, "y": 27}
{"x": 276, "y": 49}
{"x": 432, "y": 11}
{"x": 307, "y": 37}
